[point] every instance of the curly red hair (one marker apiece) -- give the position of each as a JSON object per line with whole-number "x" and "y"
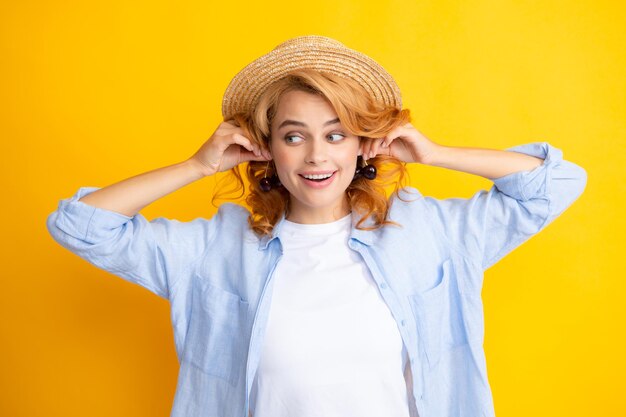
{"x": 358, "y": 113}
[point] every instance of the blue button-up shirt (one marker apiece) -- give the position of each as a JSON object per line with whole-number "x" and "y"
{"x": 217, "y": 275}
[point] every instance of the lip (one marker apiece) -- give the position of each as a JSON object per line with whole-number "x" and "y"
{"x": 318, "y": 184}
{"x": 317, "y": 172}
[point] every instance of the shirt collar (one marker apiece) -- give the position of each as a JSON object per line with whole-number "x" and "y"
{"x": 364, "y": 236}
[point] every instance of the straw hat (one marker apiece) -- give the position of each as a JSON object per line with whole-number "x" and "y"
{"x": 315, "y": 52}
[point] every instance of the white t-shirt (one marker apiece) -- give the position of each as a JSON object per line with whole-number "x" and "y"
{"x": 331, "y": 347}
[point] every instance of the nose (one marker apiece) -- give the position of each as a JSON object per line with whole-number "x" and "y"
{"x": 317, "y": 150}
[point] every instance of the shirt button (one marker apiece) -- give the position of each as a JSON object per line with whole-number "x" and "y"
{"x": 383, "y": 285}
{"x": 403, "y": 322}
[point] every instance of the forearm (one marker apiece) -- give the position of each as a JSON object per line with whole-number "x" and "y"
{"x": 131, "y": 195}
{"x": 488, "y": 163}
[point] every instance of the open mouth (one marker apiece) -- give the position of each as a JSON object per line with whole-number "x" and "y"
{"x": 319, "y": 179}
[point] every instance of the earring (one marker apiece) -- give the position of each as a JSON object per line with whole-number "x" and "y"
{"x": 368, "y": 171}
{"x": 267, "y": 183}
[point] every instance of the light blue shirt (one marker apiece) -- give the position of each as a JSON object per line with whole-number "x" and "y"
{"x": 217, "y": 275}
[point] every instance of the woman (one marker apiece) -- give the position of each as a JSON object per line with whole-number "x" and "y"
{"x": 328, "y": 298}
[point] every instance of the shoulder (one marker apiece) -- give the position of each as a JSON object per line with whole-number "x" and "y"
{"x": 407, "y": 193}
{"x": 233, "y": 211}
{"x": 407, "y": 208}
{"x": 405, "y": 200}
{"x": 410, "y": 207}
{"x": 231, "y": 216}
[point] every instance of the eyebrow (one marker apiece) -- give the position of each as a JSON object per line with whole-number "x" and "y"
{"x": 297, "y": 123}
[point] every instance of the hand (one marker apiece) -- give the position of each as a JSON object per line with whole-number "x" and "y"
{"x": 404, "y": 142}
{"x": 227, "y": 148}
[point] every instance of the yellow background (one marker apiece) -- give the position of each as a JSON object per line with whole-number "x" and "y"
{"x": 93, "y": 93}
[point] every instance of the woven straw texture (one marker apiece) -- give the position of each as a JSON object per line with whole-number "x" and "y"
{"x": 315, "y": 52}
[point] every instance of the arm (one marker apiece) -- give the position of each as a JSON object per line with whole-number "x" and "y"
{"x": 488, "y": 163}
{"x": 221, "y": 152}
{"x": 103, "y": 226}
{"x": 533, "y": 185}
{"x": 129, "y": 196}
{"x": 409, "y": 145}
{"x": 520, "y": 204}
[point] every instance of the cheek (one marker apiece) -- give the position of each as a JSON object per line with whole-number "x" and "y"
{"x": 284, "y": 162}
{"x": 348, "y": 158}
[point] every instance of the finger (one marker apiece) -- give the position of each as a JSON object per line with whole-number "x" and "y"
{"x": 364, "y": 148}
{"x": 265, "y": 154}
{"x": 386, "y": 141}
{"x": 367, "y": 147}
{"x": 375, "y": 147}
{"x": 384, "y": 150}
{"x": 250, "y": 156}
{"x": 393, "y": 134}
{"x": 246, "y": 143}
{"x": 224, "y": 140}
{"x": 371, "y": 153}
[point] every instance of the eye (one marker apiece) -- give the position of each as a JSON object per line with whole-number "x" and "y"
{"x": 340, "y": 136}
{"x": 292, "y": 139}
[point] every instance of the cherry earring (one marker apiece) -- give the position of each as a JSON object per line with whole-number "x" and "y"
{"x": 368, "y": 171}
{"x": 266, "y": 184}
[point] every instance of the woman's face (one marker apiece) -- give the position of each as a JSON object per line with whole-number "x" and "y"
{"x": 308, "y": 139}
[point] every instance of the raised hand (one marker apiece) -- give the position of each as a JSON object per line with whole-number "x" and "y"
{"x": 227, "y": 147}
{"x": 404, "y": 142}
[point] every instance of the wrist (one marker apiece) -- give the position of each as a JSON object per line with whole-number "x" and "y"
{"x": 437, "y": 156}
{"x": 198, "y": 168}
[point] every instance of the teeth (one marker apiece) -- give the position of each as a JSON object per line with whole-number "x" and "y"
{"x": 317, "y": 177}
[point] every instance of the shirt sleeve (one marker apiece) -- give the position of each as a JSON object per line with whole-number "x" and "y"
{"x": 492, "y": 223}
{"x": 153, "y": 254}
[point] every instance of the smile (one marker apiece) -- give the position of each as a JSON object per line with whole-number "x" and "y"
{"x": 319, "y": 180}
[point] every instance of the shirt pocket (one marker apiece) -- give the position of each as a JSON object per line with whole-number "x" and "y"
{"x": 438, "y": 314}
{"x": 215, "y": 342}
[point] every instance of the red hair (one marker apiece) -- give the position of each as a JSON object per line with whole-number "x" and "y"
{"x": 358, "y": 113}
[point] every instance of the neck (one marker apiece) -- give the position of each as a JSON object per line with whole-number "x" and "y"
{"x": 316, "y": 215}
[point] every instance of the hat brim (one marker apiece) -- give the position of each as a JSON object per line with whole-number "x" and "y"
{"x": 308, "y": 52}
